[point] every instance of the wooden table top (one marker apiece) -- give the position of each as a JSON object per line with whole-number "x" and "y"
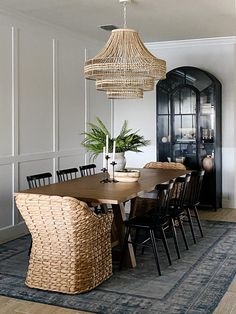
{"x": 89, "y": 189}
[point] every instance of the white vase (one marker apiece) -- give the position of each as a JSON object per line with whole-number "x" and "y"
{"x": 120, "y": 162}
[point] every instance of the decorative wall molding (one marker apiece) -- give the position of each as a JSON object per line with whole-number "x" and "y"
{"x": 13, "y": 227}
{"x": 230, "y": 40}
{"x": 6, "y": 160}
{"x": 13, "y": 232}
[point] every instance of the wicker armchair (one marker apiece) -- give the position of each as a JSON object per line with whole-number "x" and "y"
{"x": 165, "y": 165}
{"x": 71, "y": 250}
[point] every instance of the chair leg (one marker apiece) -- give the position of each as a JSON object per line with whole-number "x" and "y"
{"x": 147, "y": 239}
{"x": 166, "y": 245}
{"x": 30, "y": 247}
{"x": 125, "y": 246}
{"x": 183, "y": 232}
{"x": 175, "y": 237}
{"x": 191, "y": 224}
{"x": 198, "y": 220}
{"x": 154, "y": 247}
{"x": 136, "y": 240}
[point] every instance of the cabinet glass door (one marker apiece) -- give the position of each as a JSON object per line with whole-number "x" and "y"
{"x": 189, "y": 126}
{"x": 184, "y": 103}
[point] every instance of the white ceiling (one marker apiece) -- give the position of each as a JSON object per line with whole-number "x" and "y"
{"x": 156, "y": 20}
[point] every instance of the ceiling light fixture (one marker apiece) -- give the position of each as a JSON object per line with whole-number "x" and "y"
{"x": 125, "y": 68}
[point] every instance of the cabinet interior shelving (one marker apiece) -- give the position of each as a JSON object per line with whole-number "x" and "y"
{"x": 189, "y": 126}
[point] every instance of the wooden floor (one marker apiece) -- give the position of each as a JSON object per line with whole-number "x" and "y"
{"x": 13, "y": 306}
{"x": 226, "y": 306}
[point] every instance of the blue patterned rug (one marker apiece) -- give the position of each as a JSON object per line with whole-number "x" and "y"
{"x": 193, "y": 284}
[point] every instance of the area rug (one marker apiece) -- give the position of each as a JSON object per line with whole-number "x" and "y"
{"x": 193, "y": 284}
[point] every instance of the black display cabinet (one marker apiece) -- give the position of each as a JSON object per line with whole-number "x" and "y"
{"x": 189, "y": 126}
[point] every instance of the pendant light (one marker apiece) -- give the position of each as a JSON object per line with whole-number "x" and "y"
{"x": 125, "y": 68}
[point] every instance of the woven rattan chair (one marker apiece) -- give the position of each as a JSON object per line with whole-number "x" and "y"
{"x": 36, "y": 180}
{"x": 71, "y": 251}
{"x": 164, "y": 165}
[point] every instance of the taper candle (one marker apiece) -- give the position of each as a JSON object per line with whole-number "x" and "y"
{"x": 107, "y": 144}
{"x": 114, "y": 151}
{"x": 104, "y": 158}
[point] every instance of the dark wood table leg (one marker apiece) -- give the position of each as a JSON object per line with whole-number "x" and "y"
{"x": 119, "y": 217}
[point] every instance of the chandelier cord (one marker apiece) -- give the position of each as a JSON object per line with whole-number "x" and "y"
{"x": 125, "y": 14}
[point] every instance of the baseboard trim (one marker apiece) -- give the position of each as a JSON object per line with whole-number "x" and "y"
{"x": 13, "y": 232}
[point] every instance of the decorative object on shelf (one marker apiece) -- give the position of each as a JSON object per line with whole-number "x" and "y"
{"x": 164, "y": 139}
{"x": 208, "y": 163}
{"x": 180, "y": 159}
{"x": 98, "y": 140}
{"x": 125, "y": 68}
{"x": 127, "y": 175}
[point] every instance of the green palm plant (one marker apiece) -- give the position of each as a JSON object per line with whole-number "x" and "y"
{"x": 95, "y": 139}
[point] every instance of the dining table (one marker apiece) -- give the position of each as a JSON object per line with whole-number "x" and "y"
{"x": 92, "y": 189}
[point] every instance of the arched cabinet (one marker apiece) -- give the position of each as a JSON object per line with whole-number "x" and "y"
{"x": 189, "y": 126}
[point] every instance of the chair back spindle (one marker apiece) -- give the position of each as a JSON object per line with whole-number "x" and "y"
{"x": 67, "y": 174}
{"x": 194, "y": 188}
{"x": 87, "y": 170}
{"x": 40, "y": 179}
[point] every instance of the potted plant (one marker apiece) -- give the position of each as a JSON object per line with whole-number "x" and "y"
{"x": 126, "y": 140}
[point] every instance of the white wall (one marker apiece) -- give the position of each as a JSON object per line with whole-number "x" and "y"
{"x": 44, "y": 106}
{"x": 216, "y": 56}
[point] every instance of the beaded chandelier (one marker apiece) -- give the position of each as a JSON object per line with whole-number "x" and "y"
{"x": 125, "y": 68}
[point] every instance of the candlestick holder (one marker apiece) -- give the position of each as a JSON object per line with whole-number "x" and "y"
{"x": 105, "y": 175}
{"x": 105, "y": 172}
{"x": 113, "y": 163}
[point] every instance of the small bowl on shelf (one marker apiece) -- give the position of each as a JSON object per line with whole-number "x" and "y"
{"x": 127, "y": 175}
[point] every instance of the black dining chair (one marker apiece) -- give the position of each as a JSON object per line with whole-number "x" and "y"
{"x": 67, "y": 174}
{"x": 40, "y": 179}
{"x": 156, "y": 221}
{"x": 193, "y": 199}
{"x": 87, "y": 170}
{"x": 178, "y": 198}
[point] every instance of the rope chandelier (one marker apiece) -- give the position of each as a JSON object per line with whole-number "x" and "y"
{"x": 125, "y": 68}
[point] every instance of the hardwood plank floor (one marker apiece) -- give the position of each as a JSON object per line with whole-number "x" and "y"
{"x": 226, "y": 306}
{"x": 15, "y": 306}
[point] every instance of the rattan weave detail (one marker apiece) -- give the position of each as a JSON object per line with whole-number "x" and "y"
{"x": 71, "y": 248}
{"x": 165, "y": 165}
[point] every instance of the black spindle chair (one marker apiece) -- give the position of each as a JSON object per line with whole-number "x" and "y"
{"x": 40, "y": 179}
{"x": 157, "y": 220}
{"x": 176, "y": 209}
{"x": 67, "y": 174}
{"x": 87, "y": 170}
{"x": 192, "y": 200}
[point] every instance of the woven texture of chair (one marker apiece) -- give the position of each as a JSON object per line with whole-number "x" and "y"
{"x": 164, "y": 165}
{"x": 71, "y": 250}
